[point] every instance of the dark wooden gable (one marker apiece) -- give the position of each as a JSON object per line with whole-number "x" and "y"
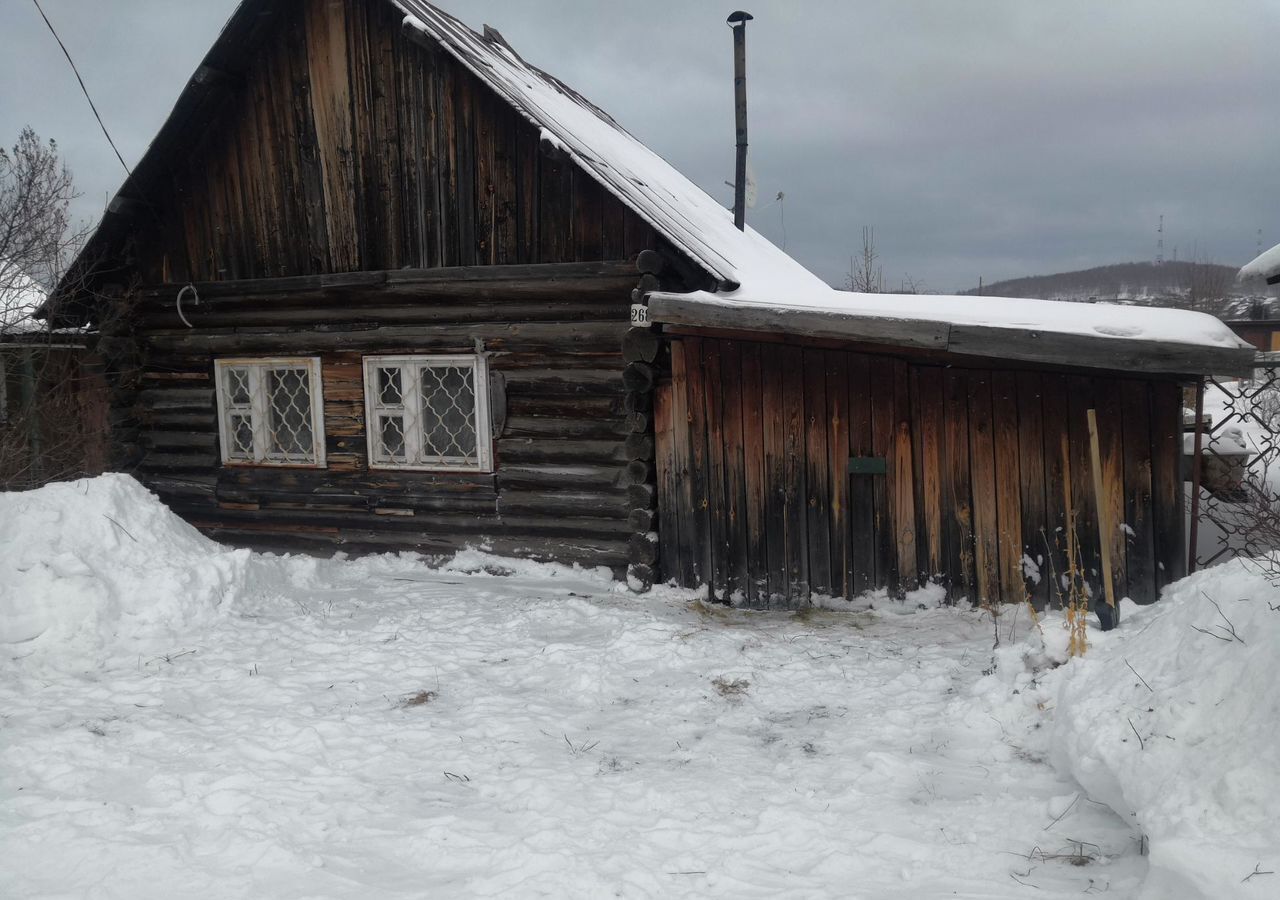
{"x": 343, "y": 146}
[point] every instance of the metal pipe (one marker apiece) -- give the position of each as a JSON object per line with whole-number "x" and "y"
{"x": 738, "y": 22}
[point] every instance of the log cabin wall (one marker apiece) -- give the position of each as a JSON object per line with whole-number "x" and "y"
{"x": 553, "y": 335}
{"x": 985, "y": 475}
{"x": 344, "y": 147}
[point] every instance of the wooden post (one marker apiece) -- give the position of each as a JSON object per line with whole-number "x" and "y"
{"x": 1105, "y": 525}
{"x": 1197, "y": 464}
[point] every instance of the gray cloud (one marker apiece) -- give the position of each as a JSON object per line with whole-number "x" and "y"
{"x": 994, "y": 139}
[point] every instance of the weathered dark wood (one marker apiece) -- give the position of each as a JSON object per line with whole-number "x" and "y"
{"x": 667, "y": 485}
{"x": 883, "y": 436}
{"x": 817, "y": 476}
{"x": 642, "y": 548}
{"x": 755, "y": 475}
{"x": 1140, "y": 555}
{"x": 982, "y": 463}
{"x": 928, "y": 450}
{"x": 650, "y": 262}
{"x": 901, "y": 482}
{"x": 863, "y": 536}
{"x": 791, "y": 360}
{"x": 774, "y": 483}
{"x": 737, "y": 567}
{"x": 699, "y": 476}
{"x": 1008, "y": 481}
{"x": 640, "y": 345}
{"x": 717, "y": 505}
{"x": 1032, "y": 485}
{"x": 639, "y": 377}
{"x": 639, "y": 471}
{"x": 639, "y": 446}
{"x": 1167, "y": 482}
{"x": 644, "y": 520}
{"x": 1108, "y": 404}
{"x": 1059, "y": 537}
{"x": 836, "y": 371}
{"x": 682, "y": 437}
{"x": 1080, "y": 399}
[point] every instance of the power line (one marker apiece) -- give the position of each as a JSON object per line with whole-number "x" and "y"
{"x": 67, "y": 54}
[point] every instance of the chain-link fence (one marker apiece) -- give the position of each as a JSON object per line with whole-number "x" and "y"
{"x": 1239, "y": 504}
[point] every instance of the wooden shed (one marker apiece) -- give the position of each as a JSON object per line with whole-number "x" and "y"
{"x": 372, "y": 288}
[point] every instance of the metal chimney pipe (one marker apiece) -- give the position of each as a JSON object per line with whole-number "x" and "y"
{"x": 738, "y": 22}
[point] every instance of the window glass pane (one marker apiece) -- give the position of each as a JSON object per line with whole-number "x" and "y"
{"x": 241, "y": 437}
{"x": 238, "y": 386}
{"x": 289, "y": 396}
{"x": 389, "y": 391}
{"x": 448, "y": 412}
{"x": 391, "y": 436}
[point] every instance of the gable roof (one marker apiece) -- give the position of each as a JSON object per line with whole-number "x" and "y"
{"x": 756, "y": 282}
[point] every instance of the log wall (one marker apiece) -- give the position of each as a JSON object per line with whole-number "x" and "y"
{"x": 554, "y": 335}
{"x": 984, "y": 471}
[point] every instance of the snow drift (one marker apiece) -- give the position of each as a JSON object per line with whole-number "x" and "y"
{"x": 1173, "y": 720}
{"x": 102, "y": 562}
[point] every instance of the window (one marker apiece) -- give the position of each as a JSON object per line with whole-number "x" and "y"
{"x": 428, "y": 412}
{"x": 270, "y": 412}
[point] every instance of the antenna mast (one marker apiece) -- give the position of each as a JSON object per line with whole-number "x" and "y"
{"x": 1160, "y": 243}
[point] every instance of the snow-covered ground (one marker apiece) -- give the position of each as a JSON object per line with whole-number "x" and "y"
{"x": 181, "y": 719}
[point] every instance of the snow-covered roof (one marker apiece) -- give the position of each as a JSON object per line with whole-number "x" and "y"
{"x": 1266, "y": 266}
{"x": 756, "y": 276}
{"x": 753, "y": 278}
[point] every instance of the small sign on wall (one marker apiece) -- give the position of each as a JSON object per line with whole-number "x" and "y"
{"x": 639, "y": 315}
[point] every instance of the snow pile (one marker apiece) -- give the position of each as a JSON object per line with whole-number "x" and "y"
{"x": 1173, "y": 720}
{"x": 87, "y": 565}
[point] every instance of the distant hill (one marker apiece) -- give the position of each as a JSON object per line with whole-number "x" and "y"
{"x": 1135, "y": 281}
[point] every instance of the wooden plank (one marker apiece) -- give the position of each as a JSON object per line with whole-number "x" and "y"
{"x": 1138, "y": 512}
{"x": 958, "y": 497}
{"x": 817, "y": 475}
{"x": 588, "y": 217}
{"x": 902, "y": 481}
{"x": 1167, "y": 482}
{"x": 1109, "y": 409}
{"x": 928, "y": 453}
{"x": 737, "y": 568}
{"x": 836, "y": 366}
{"x": 1080, "y": 399}
{"x": 669, "y": 545}
{"x": 1008, "y": 477}
{"x": 1031, "y": 448}
{"x": 1059, "y": 494}
{"x": 982, "y": 463}
{"x": 755, "y": 477}
{"x": 330, "y": 92}
{"x": 696, "y": 375}
{"x": 791, "y": 360}
{"x": 863, "y": 573}
{"x": 773, "y": 403}
{"x": 883, "y": 437}
{"x": 717, "y": 502}
{"x": 485, "y": 237}
{"x": 555, "y": 205}
{"x": 682, "y": 441}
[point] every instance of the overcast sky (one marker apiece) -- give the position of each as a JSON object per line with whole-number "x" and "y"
{"x": 992, "y": 138}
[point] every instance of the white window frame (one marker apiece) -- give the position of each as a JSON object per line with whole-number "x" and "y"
{"x": 410, "y": 384}
{"x": 258, "y": 407}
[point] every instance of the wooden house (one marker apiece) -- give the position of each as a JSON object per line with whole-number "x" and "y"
{"x": 372, "y": 286}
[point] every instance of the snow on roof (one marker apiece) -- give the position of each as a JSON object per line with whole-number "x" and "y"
{"x": 680, "y": 210}
{"x": 1266, "y": 266}
{"x": 752, "y": 271}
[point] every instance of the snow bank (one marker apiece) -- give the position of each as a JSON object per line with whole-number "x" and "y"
{"x": 1178, "y": 731}
{"x": 101, "y": 562}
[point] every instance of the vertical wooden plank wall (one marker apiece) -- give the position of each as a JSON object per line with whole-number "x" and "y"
{"x": 988, "y": 486}
{"x": 351, "y": 148}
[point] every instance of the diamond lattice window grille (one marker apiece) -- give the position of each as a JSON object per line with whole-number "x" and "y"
{"x": 270, "y": 411}
{"x": 428, "y": 413}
